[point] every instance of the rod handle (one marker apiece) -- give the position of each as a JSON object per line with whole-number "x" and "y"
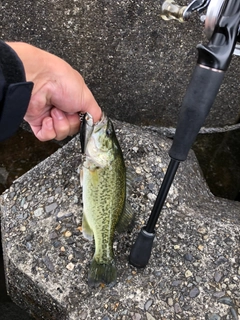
{"x": 198, "y": 100}
{"x": 141, "y": 250}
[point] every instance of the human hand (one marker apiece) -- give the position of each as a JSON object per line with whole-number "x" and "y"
{"x": 58, "y": 95}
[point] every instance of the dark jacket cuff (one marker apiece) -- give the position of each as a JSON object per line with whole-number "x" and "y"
{"x": 15, "y": 92}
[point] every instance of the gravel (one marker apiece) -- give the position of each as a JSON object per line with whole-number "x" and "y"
{"x": 193, "y": 272}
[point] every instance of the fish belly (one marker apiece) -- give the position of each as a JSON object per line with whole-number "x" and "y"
{"x": 103, "y": 202}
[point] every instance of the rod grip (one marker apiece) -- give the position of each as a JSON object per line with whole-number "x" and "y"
{"x": 141, "y": 250}
{"x": 199, "y": 98}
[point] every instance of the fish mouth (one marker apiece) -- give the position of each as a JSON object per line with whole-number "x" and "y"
{"x": 86, "y": 128}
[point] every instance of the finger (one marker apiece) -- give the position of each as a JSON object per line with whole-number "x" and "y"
{"x": 45, "y": 131}
{"x": 74, "y": 123}
{"x": 90, "y": 105}
{"x": 60, "y": 124}
{"x": 77, "y": 98}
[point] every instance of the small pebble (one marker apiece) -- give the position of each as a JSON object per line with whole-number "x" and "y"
{"x": 170, "y": 302}
{"x": 70, "y": 266}
{"x": 48, "y": 263}
{"x": 29, "y": 246}
{"x": 78, "y": 255}
{"x": 177, "y": 308}
{"x": 22, "y": 228}
{"x": 70, "y": 241}
{"x": 213, "y": 316}
{"x": 53, "y": 235}
{"x": 38, "y": 212}
{"x": 194, "y": 292}
{"x": 63, "y": 215}
{"x": 234, "y": 313}
{"x": 56, "y": 243}
{"x": 232, "y": 286}
{"x": 51, "y": 207}
{"x": 218, "y": 276}
{"x": 25, "y": 206}
{"x": 58, "y": 227}
{"x": 221, "y": 260}
{"x": 138, "y": 170}
{"x": 148, "y": 304}
{"x": 68, "y": 234}
{"x": 188, "y": 274}
{"x": 151, "y": 196}
{"x": 219, "y": 294}
{"x": 226, "y": 300}
{"x": 149, "y": 316}
{"x": 22, "y": 216}
{"x": 181, "y": 236}
{"x": 198, "y": 279}
{"x": 29, "y": 237}
{"x": 157, "y": 273}
{"x": 176, "y": 283}
{"x": 70, "y": 257}
{"x": 202, "y": 230}
{"x": 188, "y": 257}
{"x": 136, "y": 316}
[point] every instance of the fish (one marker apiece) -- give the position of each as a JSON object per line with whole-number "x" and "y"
{"x": 104, "y": 188}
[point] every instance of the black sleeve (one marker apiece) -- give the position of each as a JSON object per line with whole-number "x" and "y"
{"x": 15, "y": 92}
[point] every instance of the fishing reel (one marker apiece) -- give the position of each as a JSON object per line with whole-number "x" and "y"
{"x": 209, "y": 11}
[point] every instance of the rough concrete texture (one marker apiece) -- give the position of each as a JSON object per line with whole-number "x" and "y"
{"x": 194, "y": 269}
{"x": 137, "y": 65}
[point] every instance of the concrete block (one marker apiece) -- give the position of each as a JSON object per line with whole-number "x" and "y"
{"x": 193, "y": 272}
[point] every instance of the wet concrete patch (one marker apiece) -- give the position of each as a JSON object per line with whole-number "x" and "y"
{"x": 19, "y": 154}
{"x": 218, "y": 156}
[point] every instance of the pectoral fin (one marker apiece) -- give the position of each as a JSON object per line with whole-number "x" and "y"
{"x": 81, "y": 176}
{"x": 86, "y": 230}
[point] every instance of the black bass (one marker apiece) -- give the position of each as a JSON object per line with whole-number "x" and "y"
{"x": 103, "y": 180}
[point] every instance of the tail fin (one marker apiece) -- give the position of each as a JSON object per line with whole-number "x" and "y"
{"x": 102, "y": 273}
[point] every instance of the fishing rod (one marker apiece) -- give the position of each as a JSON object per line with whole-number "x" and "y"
{"x": 222, "y": 29}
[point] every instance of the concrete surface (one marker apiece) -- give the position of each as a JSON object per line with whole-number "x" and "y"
{"x": 137, "y": 65}
{"x": 194, "y": 270}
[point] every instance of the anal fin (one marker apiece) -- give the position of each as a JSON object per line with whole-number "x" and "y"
{"x": 126, "y": 219}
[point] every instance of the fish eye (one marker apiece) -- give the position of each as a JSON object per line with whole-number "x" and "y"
{"x": 109, "y": 132}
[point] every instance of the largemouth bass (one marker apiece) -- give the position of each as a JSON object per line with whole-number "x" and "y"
{"x": 103, "y": 180}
